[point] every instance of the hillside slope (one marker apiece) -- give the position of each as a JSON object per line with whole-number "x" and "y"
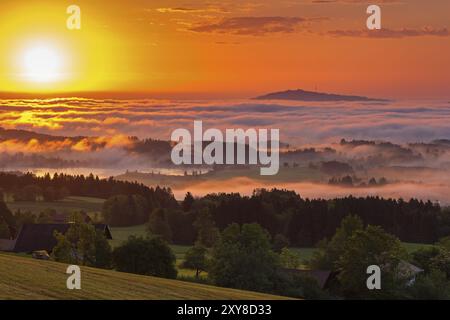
{"x": 25, "y": 278}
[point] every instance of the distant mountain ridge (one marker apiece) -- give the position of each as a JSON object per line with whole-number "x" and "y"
{"x": 26, "y": 135}
{"x": 303, "y": 95}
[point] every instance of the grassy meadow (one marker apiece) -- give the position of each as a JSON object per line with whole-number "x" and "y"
{"x": 67, "y": 205}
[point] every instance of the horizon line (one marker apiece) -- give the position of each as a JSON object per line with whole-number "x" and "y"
{"x": 178, "y": 95}
{"x": 104, "y": 94}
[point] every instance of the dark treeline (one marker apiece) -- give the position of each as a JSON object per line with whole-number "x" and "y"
{"x": 28, "y": 187}
{"x": 306, "y": 222}
{"x": 303, "y": 222}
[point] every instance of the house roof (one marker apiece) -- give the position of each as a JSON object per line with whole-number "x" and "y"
{"x": 407, "y": 270}
{"x": 33, "y": 237}
{"x": 322, "y": 276}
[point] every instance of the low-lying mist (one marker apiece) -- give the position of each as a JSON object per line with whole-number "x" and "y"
{"x": 390, "y": 149}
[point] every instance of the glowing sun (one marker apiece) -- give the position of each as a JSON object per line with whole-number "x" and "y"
{"x": 42, "y": 64}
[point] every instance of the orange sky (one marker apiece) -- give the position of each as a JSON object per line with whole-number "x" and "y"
{"x": 232, "y": 48}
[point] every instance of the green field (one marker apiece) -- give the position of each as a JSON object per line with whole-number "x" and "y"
{"x": 304, "y": 253}
{"x": 121, "y": 234}
{"x": 411, "y": 247}
{"x": 25, "y": 278}
{"x": 67, "y": 205}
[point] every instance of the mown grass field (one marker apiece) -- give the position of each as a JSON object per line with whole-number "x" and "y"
{"x": 25, "y": 278}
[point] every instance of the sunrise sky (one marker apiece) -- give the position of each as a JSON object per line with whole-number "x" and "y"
{"x": 227, "y": 48}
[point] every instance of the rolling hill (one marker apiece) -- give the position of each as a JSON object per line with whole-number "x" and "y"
{"x": 24, "y": 278}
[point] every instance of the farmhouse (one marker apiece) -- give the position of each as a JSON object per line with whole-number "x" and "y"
{"x": 36, "y": 237}
{"x": 408, "y": 272}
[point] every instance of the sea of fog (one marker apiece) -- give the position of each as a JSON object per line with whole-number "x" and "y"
{"x": 302, "y": 123}
{"x": 111, "y": 122}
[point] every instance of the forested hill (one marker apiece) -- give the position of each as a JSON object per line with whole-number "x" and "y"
{"x": 58, "y": 186}
{"x": 24, "y": 135}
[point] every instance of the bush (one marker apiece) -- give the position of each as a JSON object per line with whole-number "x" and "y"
{"x": 146, "y": 256}
{"x": 289, "y": 259}
{"x": 423, "y": 257}
{"x": 63, "y": 251}
{"x": 432, "y": 286}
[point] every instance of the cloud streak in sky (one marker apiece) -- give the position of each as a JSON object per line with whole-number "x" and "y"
{"x": 256, "y": 26}
{"x": 391, "y": 33}
{"x": 353, "y": 1}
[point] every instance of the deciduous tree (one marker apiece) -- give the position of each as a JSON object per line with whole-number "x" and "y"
{"x": 243, "y": 258}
